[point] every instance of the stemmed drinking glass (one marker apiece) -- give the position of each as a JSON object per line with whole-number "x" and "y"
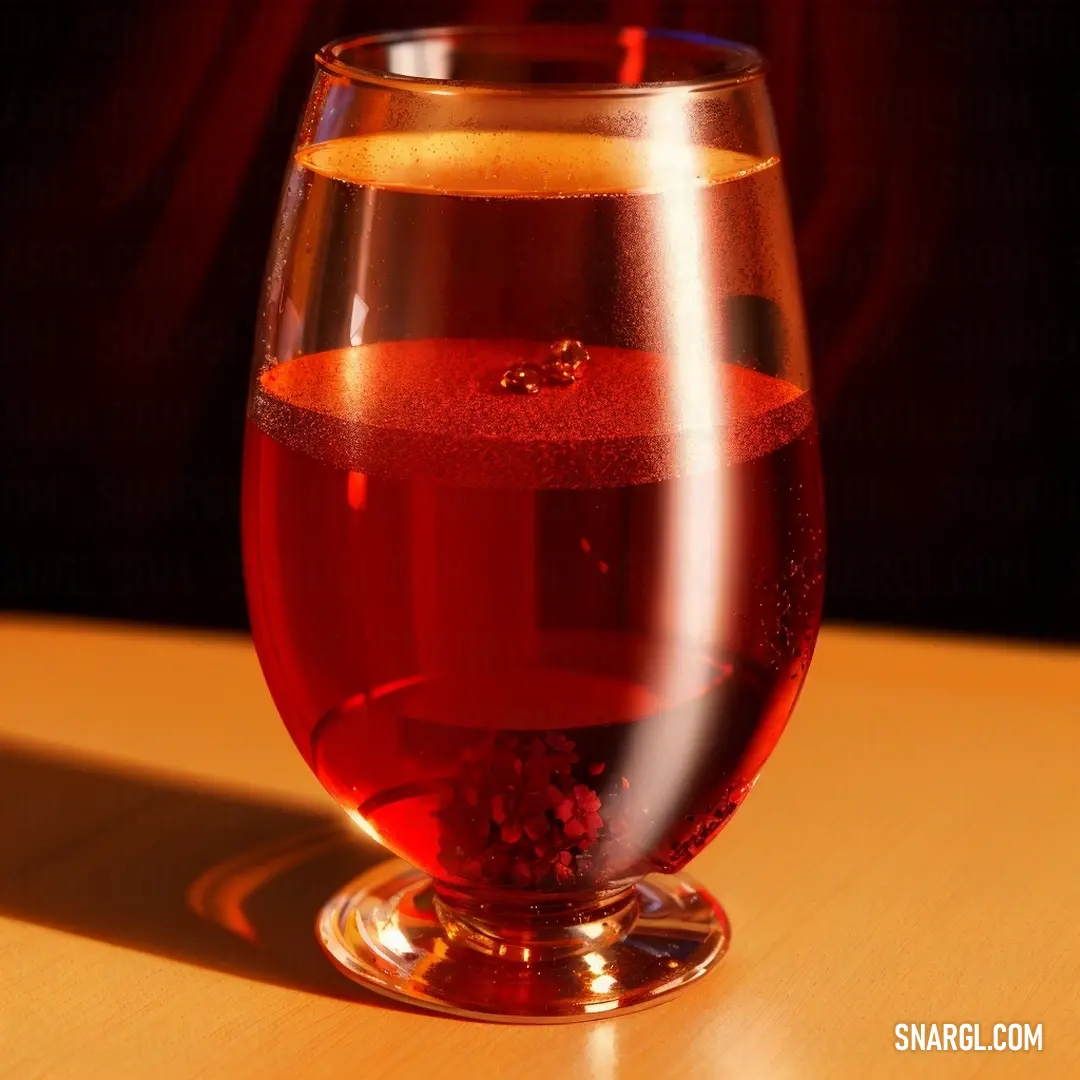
{"x": 532, "y": 509}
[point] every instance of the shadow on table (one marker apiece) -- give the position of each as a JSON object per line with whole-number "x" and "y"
{"x": 225, "y": 881}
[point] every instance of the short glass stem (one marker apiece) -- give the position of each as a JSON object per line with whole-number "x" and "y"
{"x": 536, "y": 931}
{"x": 522, "y": 957}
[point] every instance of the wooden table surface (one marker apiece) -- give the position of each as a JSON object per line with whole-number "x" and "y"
{"x": 910, "y": 854}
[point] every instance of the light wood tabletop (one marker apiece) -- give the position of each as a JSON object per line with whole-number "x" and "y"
{"x": 909, "y": 855}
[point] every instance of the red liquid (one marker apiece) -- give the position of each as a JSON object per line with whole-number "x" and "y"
{"x": 543, "y": 642}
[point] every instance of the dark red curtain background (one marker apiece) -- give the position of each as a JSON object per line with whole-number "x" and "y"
{"x": 925, "y": 147}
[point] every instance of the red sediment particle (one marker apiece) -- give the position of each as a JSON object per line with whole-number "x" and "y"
{"x": 586, "y": 798}
{"x": 574, "y": 828}
{"x": 537, "y": 826}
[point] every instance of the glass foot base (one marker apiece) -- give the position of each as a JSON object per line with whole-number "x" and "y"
{"x": 389, "y": 932}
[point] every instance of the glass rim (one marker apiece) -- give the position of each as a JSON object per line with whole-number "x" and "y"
{"x": 748, "y": 65}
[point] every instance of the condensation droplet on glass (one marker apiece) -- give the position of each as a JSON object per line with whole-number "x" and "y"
{"x": 521, "y": 379}
{"x": 566, "y": 362}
